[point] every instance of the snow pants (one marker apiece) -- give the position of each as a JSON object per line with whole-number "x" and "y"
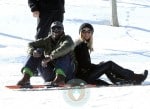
{"x": 113, "y": 71}
{"x": 44, "y": 22}
{"x": 48, "y": 73}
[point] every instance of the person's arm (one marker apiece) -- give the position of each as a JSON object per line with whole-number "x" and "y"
{"x": 66, "y": 46}
{"x": 36, "y": 44}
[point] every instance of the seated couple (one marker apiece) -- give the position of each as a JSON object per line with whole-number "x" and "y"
{"x": 59, "y": 60}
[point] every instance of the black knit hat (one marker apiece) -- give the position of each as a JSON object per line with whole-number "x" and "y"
{"x": 84, "y": 25}
{"x": 58, "y": 24}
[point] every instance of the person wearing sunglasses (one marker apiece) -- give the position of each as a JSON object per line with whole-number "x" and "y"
{"x": 91, "y": 73}
{"x": 57, "y": 64}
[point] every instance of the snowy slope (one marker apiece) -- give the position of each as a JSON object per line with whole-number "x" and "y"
{"x": 127, "y": 45}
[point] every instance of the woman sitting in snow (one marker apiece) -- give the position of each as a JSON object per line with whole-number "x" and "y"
{"x": 91, "y": 73}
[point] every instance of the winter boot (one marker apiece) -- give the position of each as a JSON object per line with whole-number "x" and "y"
{"x": 139, "y": 78}
{"x": 60, "y": 78}
{"x": 26, "y": 78}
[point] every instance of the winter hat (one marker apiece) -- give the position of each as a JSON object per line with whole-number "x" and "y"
{"x": 57, "y": 24}
{"x": 84, "y": 25}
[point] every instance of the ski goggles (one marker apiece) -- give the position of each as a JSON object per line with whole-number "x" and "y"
{"x": 57, "y": 29}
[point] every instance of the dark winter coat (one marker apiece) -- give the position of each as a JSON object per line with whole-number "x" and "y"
{"x": 83, "y": 59}
{"x": 47, "y": 5}
{"x": 56, "y": 49}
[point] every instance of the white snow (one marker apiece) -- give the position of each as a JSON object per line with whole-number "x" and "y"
{"x": 127, "y": 45}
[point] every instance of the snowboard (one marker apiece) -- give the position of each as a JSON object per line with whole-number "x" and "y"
{"x": 62, "y": 87}
{"x": 47, "y": 87}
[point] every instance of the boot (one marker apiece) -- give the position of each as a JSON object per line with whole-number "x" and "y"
{"x": 139, "y": 78}
{"x": 59, "y": 80}
{"x": 25, "y": 80}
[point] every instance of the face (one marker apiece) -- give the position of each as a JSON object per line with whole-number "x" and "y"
{"x": 57, "y": 32}
{"x": 86, "y": 33}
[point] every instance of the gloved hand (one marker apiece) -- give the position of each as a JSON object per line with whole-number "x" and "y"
{"x": 45, "y": 61}
{"x": 36, "y": 14}
{"x": 36, "y": 54}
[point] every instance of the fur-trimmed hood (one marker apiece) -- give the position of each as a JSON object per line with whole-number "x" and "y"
{"x": 89, "y": 44}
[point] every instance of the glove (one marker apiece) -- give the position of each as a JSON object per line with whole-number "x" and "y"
{"x": 36, "y": 54}
{"x": 45, "y": 61}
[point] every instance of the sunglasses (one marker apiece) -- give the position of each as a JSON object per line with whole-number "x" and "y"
{"x": 57, "y": 29}
{"x": 86, "y": 31}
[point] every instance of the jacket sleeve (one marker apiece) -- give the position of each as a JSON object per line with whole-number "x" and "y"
{"x": 33, "y": 4}
{"x": 65, "y": 47}
{"x": 36, "y": 44}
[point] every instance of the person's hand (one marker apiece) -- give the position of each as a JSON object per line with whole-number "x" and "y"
{"x": 36, "y": 13}
{"x": 36, "y": 54}
{"x": 45, "y": 61}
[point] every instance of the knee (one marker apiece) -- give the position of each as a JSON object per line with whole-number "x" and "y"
{"x": 110, "y": 62}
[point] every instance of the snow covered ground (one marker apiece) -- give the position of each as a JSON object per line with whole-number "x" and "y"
{"x": 127, "y": 45}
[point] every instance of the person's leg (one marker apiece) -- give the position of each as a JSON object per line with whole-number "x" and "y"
{"x": 116, "y": 73}
{"x": 58, "y": 16}
{"x": 99, "y": 82}
{"x": 47, "y": 73}
{"x": 118, "y": 80}
{"x": 59, "y": 71}
{"x": 97, "y": 70}
{"x": 28, "y": 69}
{"x": 43, "y": 25}
{"x": 66, "y": 67}
{"x": 93, "y": 76}
{"x": 127, "y": 75}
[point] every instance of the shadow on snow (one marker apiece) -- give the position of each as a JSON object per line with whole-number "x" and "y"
{"x": 16, "y": 37}
{"x": 121, "y": 52}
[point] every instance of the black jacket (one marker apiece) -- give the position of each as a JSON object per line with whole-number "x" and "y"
{"x": 82, "y": 56}
{"x": 56, "y": 49}
{"x": 47, "y": 5}
{"x": 83, "y": 60}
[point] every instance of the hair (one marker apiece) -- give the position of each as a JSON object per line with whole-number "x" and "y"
{"x": 90, "y": 42}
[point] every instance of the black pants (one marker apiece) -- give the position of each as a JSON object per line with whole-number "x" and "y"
{"x": 113, "y": 71}
{"x": 44, "y": 22}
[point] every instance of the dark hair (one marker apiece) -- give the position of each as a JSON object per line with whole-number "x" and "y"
{"x": 84, "y": 25}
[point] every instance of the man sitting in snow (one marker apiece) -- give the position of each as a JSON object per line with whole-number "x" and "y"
{"x": 57, "y": 62}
